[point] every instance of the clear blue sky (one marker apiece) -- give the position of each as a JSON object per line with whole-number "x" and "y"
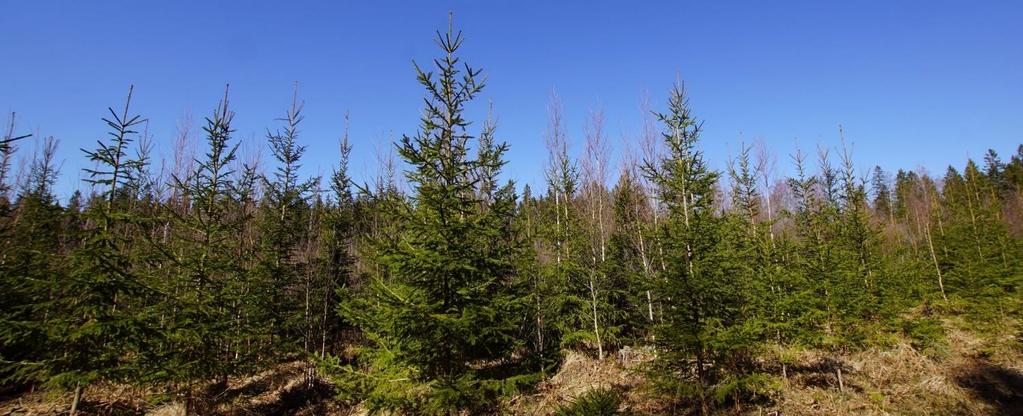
{"x": 915, "y": 83}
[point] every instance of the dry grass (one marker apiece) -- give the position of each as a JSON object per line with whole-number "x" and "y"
{"x": 106, "y": 399}
{"x": 285, "y": 389}
{"x": 578, "y": 374}
{"x": 972, "y": 375}
{"x": 899, "y": 380}
{"x": 902, "y": 380}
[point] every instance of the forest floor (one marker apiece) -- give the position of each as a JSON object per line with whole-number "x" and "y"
{"x": 967, "y": 374}
{"x": 288, "y": 389}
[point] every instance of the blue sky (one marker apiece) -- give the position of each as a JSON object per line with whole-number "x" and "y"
{"x": 914, "y": 83}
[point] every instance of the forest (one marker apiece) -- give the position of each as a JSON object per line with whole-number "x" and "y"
{"x": 441, "y": 287}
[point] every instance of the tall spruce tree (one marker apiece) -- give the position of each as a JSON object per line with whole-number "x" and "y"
{"x": 444, "y": 314}
{"x": 337, "y": 251}
{"x": 858, "y": 241}
{"x": 103, "y": 327}
{"x": 812, "y": 217}
{"x": 284, "y": 213}
{"x": 698, "y": 284}
{"x": 757, "y": 277}
{"x": 205, "y": 334}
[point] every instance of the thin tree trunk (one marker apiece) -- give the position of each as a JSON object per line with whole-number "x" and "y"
{"x": 973, "y": 222}
{"x": 704, "y": 409}
{"x": 603, "y": 259}
{"x": 77, "y": 399}
{"x": 307, "y": 315}
{"x": 323, "y": 325}
{"x": 557, "y": 225}
{"x": 646, "y": 270}
{"x": 596, "y": 327}
{"x": 934, "y": 258}
{"x": 539, "y": 338}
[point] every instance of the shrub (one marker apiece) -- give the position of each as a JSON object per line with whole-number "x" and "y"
{"x": 596, "y": 402}
{"x": 925, "y": 334}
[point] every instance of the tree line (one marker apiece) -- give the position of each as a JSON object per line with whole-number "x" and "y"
{"x": 464, "y": 289}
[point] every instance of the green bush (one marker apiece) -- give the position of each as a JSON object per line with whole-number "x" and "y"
{"x": 750, "y": 388}
{"x": 925, "y": 334}
{"x": 596, "y": 402}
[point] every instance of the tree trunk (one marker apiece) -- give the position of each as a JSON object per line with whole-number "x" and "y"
{"x": 646, "y": 269}
{"x": 539, "y": 339}
{"x": 649, "y": 307}
{"x": 323, "y": 325}
{"x": 77, "y": 399}
{"x": 934, "y": 258}
{"x": 557, "y": 225}
{"x": 596, "y": 327}
{"x": 307, "y": 315}
{"x": 704, "y": 409}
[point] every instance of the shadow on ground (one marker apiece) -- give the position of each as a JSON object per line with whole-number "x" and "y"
{"x": 1000, "y": 387}
{"x": 309, "y": 399}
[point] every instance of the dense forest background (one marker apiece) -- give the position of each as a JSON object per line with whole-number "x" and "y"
{"x": 457, "y": 289}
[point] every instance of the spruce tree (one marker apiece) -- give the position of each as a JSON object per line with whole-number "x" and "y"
{"x": 12, "y": 331}
{"x": 205, "y": 334}
{"x": 538, "y": 331}
{"x": 102, "y": 327}
{"x": 813, "y": 217}
{"x": 775, "y": 295}
{"x": 7, "y": 149}
{"x": 630, "y": 271}
{"x": 863, "y": 276}
{"x": 444, "y": 314}
{"x": 698, "y": 284}
{"x": 284, "y": 214}
{"x": 758, "y": 280}
{"x": 31, "y": 270}
{"x": 564, "y": 277}
{"x": 982, "y": 270}
{"x": 883, "y": 198}
{"x": 337, "y": 251}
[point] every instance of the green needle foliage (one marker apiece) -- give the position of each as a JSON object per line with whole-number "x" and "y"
{"x": 31, "y": 270}
{"x": 444, "y": 316}
{"x": 442, "y": 292}
{"x": 102, "y": 327}
{"x": 699, "y": 285}
{"x": 285, "y": 210}
{"x": 596, "y": 402}
{"x": 204, "y": 326}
